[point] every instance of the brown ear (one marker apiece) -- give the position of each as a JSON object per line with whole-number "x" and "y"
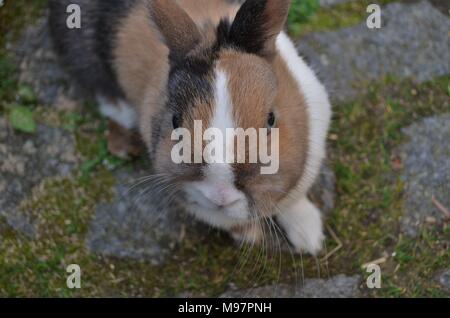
{"x": 178, "y": 30}
{"x": 257, "y": 25}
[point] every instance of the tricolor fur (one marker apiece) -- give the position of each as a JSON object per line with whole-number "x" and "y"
{"x": 166, "y": 63}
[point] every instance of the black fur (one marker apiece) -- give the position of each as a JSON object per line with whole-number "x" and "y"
{"x": 248, "y": 31}
{"x": 110, "y": 13}
{"x": 190, "y": 78}
{"x": 190, "y": 81}
{"x": 86, "y": 52}
{"x": 157, "y": 125}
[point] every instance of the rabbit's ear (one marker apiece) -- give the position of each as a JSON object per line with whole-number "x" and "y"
{"x": 178, "y": 30}
{"x": 257, "y": 25}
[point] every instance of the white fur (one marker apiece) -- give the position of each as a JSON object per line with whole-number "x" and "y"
{"x": 303, "y": 225}
{"x": 300, "y": 219}
{"x": 120, "y": 112}
{"x": 318, "y": 108}
{"x": 218, "y": 186}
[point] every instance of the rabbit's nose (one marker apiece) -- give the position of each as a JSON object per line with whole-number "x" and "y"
{"x": 221, "y": 195}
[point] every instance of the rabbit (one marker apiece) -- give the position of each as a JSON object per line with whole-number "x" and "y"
{"x": 155, "y": 66}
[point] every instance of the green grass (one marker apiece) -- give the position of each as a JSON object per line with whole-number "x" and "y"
{"x": 301, "y": 13}
{"x": 17, "y": 101}
{"x": 370, "y": 190}
{"x": 306, "y": 17}
{"x": 8, "y": 82}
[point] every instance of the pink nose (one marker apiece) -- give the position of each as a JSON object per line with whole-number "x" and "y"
{"x": 222, "y": 196}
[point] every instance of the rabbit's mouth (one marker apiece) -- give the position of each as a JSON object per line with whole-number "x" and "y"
{"x": 221, "y": 200}
{"x": 224, "y": 211}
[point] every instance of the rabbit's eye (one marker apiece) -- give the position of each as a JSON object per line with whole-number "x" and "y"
{"x": 271, "y": 121}
{"x": 176, "y": 121}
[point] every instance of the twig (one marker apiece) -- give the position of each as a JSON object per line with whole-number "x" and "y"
{"x": 441, "y": 207}
{"x": 375, "y": 262}
{"x": 337, "y": 248}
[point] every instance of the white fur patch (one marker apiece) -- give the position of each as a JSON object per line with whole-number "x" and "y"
{"x": 120, "y": 112}
{"x": 318, "y": 109}
{"x": 300, "y": 218}
{"x": 303, "y": 225}
{"x": 218, "y": 186}
{"x": 222, "y": 119}
{"x": 223, "y": 113}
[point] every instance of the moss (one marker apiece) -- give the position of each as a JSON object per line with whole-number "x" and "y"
{"x": 333, "y": 18}
{"x": 60, "y": 209}
{"x": 7, "y": 82}
{"x": 301, "y": 12}
{"x": 15, "y": 14}
{"x": 370, "y": 190}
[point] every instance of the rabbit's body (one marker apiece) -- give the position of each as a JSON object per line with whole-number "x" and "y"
{"x": 154, "y": 67}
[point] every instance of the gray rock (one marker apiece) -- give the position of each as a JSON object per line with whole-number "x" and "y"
{"x": 426, "y": 159}
{"x": 412, "y": 43}
{"x": 25, "y": 160}
{"x": 39, "y": 66}
{"x": 135, "y": 225}
{"x": 340, "y": 286}
{"x": 323, "y": 193}
{"x": 329, "y": 3}
{"x": 444, "y": 279}
{"x": 442, "y": 6}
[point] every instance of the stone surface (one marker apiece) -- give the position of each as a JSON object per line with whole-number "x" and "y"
{"x": 443, "y": 6}
{"x": 323, "y": 193}
{"x": 329, "y": 3}
{"x": 340, "y": 286}
{"x": 412, "y": 43}
{"x": 135, "y": 225}
{"x": 39, "y": 66}
{"x": 444, "y": 279}
{"x": 426, "y": 160}
{"x": 26, "y": 160}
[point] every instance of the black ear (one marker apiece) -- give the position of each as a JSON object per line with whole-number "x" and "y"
{"x": 257, "y": 25}
{"x": 179, "y": 32}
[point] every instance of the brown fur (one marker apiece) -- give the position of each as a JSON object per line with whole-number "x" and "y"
{"x": 144, "y": 78}
{"x": 122, "y": 142}
{"x": 274, "y": 90}
{"x": 148, "y": 73}
{"x": 177, "y": 28}
{"x": 276, "y": 15}
{"x": 258, "y": 85}
{"x": 161, "y": 57}
{"x": 206, "y": 12}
